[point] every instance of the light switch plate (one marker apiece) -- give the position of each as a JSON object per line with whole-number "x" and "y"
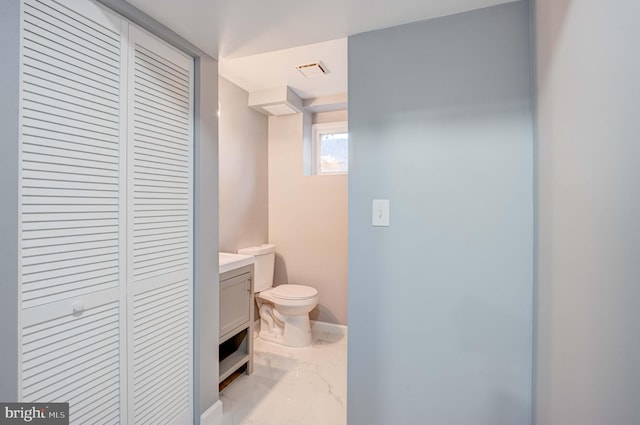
{"x": 380, "y": 213}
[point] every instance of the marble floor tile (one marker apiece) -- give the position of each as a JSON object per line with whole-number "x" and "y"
{"x": 291, "y": 386}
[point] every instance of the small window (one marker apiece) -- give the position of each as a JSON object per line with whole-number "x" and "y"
{"x": 331, "y": 148}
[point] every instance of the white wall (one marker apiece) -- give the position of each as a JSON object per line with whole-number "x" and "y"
{"x": 243, "y": 172}
{"x": 588, "y": 325}
{"x": 440, "y": 302}
{"x": 307, "y": 220}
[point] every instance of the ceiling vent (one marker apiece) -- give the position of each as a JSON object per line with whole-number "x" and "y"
{"x": 315, "y": 69}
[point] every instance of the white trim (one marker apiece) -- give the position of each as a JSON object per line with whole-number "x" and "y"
{"x": 122, "y": 222}
{"x": 213, "y": 415}
{"x": 316, "y": 131}
{"x": 316, "y": 326}
{"x": 332, "y": 328}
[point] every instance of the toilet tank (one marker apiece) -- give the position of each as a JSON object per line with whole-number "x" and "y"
{"x": 265, "y": 258}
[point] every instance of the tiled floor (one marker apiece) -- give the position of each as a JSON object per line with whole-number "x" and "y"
{"x": 292, "y": 386}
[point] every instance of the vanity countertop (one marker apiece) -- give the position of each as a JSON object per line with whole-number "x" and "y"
{"x": 229, "y": 261}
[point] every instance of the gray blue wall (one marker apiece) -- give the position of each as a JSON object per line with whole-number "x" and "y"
{"x": 588, "y": 318}
{"x": 9, "y": 131}
{"x": 206, "y": 278}
{"x": 440, "y": 302}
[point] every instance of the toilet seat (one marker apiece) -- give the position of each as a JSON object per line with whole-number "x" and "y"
{"x": 293, "y": 292}
{"x": 290, "y": 295}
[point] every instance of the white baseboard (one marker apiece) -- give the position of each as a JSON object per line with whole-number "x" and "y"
{"x": 316, "y": 326}
{"x": 213, "y": 415}
{"x": 329, "y": 327}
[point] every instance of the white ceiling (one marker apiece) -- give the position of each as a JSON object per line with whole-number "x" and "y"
{"x": 260, "y": 42}
{"x": 275, "y": 69}
{"x": 235, "y": 28}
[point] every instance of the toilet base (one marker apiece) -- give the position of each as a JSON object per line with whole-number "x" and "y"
{"x": 293, "y": 331}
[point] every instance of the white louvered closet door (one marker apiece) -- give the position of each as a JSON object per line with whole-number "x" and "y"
{"x": 105, "y": 217}
{"x": 160, "y": 260}
{"x": 72, "y": 216}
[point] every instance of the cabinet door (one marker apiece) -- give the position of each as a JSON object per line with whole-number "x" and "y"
{"x": 160, "y": 233}
{"x": 235, "y": 303}
{"x": 71, "y": 215}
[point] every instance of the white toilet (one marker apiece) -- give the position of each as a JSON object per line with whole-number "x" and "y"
{"x": 284, "y": 310}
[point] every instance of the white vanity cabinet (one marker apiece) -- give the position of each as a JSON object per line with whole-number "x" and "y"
{"x": 236, "y": 321}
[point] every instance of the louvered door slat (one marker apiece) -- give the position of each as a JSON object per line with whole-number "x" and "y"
{"x": 149, "y": 61}
{"x": 68, "y": 74}
{"x": 182, "y": 72}
{"x": 57, "y": 236}
{"x": 69, "y": 182}
{"x": 65, "y": 171}
{"x": 55, "y": 147}
{"x": 155, "y": 79}
{"x": 162, "y": 242}
{"x": 149, "y": 101}
{"x": 66, "y": 91}
{"x": 89, "y": 407}
{"x": 155, "y": 69}
{"x": 37, "y": 251}
{"x": 42, "y": 51}
{"x": 45, "y": 39}
{"x": 160, "y": 127}
{"x": 44, "y": 116}
{"x": 146, "y": 217}
{"x": 64, "y": 28}
{"x": 67, "y": 99}
{"x": 61, "y": 176}
{"x": 160, "y": 146}
{"x": 42, "y": 107}
{"x": 156, "y": 155}
{"x": 103, "y": 417}
{"x": 67, "y": 164}
{"x": 161, "y": 234}
{"x": 93, "y": 141}
{"x": 70, "y": 357}
{"x": 67, "y": 15}
{"x": 43, "y": 81}
{"x": 169, "y": 385}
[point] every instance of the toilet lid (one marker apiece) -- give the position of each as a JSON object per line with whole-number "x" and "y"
{"x": 294, "y": 292}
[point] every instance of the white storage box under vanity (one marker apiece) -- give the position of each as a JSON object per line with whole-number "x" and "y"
{"x": 236, "y": 316}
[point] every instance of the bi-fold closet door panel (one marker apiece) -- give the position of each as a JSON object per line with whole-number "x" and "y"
{"x": 106, "y": 217}
{"x": 72, "y": 219}
{"x": 160, "y": 240}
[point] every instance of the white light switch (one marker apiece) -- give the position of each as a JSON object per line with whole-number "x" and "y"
{"x": 380, "y": 212}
